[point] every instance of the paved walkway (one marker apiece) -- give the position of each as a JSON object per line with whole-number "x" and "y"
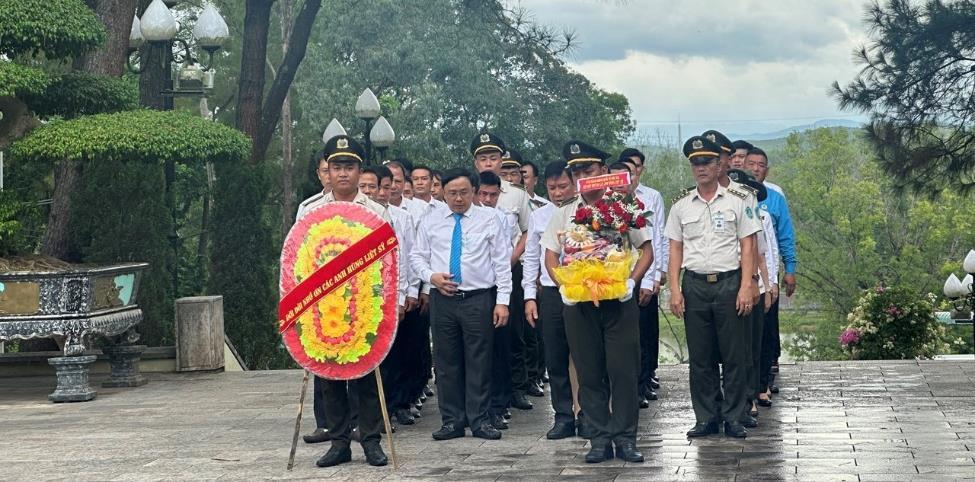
{"x": 832, "y": 421}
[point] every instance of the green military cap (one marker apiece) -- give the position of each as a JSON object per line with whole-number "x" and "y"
{"x": 701, "y": 150}
{"x": 720, "y": 139}
{"x": 578, "y": 153}
{"x": 511, "y": 158}
{"x": 487, "y": 142}
{"x": 344, "y": 149}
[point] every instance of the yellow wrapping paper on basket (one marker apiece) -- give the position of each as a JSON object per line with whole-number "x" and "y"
{"x": 594, "y": 279}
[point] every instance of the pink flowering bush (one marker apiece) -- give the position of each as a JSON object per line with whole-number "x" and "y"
{"x": 893, "y": 323}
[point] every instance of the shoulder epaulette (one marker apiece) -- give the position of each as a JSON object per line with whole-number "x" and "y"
{"x": 751, "y": 190}
{"x": 311, "y": 199}
{"x": 738, "y": 193}
{"x": 569, "y": 201}
{"x": 683, "y": 193}
{"x": 537, "y": 203}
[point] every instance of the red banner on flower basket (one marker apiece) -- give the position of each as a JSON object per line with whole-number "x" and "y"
{"x": 603, "y": 182}
{"x": 339, "y": 309}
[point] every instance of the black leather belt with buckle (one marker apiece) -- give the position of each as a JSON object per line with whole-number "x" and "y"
{"x": 467, "y": 294}
{"x": 711, "y": 277}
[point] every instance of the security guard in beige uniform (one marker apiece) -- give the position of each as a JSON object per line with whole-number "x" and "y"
{"x": 604, "y": 340}
{"x": 709, "y": 227}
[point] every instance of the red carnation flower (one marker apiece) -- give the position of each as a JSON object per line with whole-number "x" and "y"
{"x": 641, "y": 222}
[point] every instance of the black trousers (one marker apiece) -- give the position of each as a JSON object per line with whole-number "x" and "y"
{"x": 344, "y": 400}
{"x": 551, "y": 324}
{"x": 757, "y": 326}
{"x": 715, "y": 331}
{"x": 396, "y": 367}
{"x": 649, "y": 339}
{"x": 770, "y": 346}
{"x": 605, "y": 345}
{"x": 463, "y": 335}
{"x": 534, "y": 352}
{"x": 501, "y": 388}
{"x": 318, "y": 392}
{"x": 518, "y": 359}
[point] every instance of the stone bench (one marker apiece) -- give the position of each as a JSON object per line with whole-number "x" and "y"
{"x": 73, "y": 306}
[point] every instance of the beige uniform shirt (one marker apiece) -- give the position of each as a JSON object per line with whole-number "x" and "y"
{"x": 515, "y": 204}
{"x": 710, "y": 231}
{"x": 562, "y": 221}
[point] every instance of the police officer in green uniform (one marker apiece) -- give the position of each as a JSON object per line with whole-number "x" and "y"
{"x": 604, "y": 341}
{"x": 712, "y": 240}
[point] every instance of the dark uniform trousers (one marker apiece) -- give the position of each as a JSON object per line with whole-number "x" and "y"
{"x": 463, "y": 335}
{"x": 397, "y": 364}
{"x": 605, "y": 345}
{"x": 770, "y": 346}
{"x": 346, "y": 400}
{"x": 501, "y": 387}
{"x": 517, "y": 359}
{"x": 551, "y": 325}
{"x": 318, "y": 391}
{"x": 534, "y": 352}
{"x": 757, "y": 327}
{"x": 649, "y": 339}
{"x": 714, "y": 330}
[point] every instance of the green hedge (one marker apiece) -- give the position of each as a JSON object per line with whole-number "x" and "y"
{"x": 17, "y": 80}
{"x": 138, "y": 135}
{"x": 79, "y": 93}
{"x": 59, "y": 28}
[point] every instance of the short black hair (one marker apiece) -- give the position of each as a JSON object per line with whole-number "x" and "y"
{"x": 488, "y": 178}
{"x": 555, "y": 169}
{"x": 405, "y": 163}
{"x": 531, "y": 165}
{"x": 620, "y": 166}
{"x": 758, "y": 152}
{"x": 631, "y": 152}
{"x": 399, "y": 165}
{"x": 459, "y": 172}
{"x": 437, "y": 174}
{"x": 742, "y": 144}
{"x": 371, "y": 170}
{"x": 421, "y": 167}
{"x": 383, "y": 172}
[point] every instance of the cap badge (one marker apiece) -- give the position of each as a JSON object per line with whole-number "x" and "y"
{"x": 574, "y": 149}
{"x": 485, "y": 138}
{"x": 711, "y": 137}
{"x": 507, "y": 155}
{"x": 697, "y": 144}
{"x": 342, "y": 144}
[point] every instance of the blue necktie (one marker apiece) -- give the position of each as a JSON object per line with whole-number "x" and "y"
{"x": 456, "y": 245}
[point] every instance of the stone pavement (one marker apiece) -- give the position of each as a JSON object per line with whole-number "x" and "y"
{"x": 831, "y": 421}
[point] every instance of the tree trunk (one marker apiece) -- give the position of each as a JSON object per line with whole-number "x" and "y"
{"x": 67, "y": 176}
{"x": 250, "y": 92}
{"x": 110, "y": 58}
{"x": 287, "y": 159}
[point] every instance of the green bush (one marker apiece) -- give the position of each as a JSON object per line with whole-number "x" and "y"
{"x": 17, "y": 80}
{"x": 894, "y": 323}
{"x": 79, "y": 93}
{"x": 58, "y": 28}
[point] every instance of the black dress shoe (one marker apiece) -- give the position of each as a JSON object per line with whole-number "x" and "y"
{"x": 749, "y": 422}
{"x": 703, "y": 429}
{"x": 735, "y": 429}
{"x": 650, "y": 394}
{"x": 404, "y": 417}
{"x": 374, "y": 454}
{"x": 338, "y": 454}
{"x": 644, "y": 403}
{"x": 519, "y": 401}
{"x": 774, "y": 389}
{"x": 498, "y": 422}
{"x": 428, "y": 391}
{"x": 753, "y": 411}
{"x": 764, "y": 402}
{"x": 599, "y": 454}
{"x": 506, "y": 414}
{"x": 561, "y": 430}
{"x": 318, "y": 436}
{"x": 486, "y": 431}
{"x": 535, "y": 390}
{"x": 545, "y": 378}
{"x": 418, "y": 405}
{"x": 654, "y": 382}
{"x": 416, "y": 413}
{"x": 448, "y": 431}
{"x": 627, "y": 451}
{"x": 423, "y": 397}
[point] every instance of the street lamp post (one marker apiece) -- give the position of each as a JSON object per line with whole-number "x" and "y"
{"x": 368, "y": 109}
{"x": 961, "y": 292}
{"x": 382, "y": 136}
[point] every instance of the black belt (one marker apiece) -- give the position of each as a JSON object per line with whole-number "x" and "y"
{"x": 713, "y": 277}
{"x": 470, "y": 293}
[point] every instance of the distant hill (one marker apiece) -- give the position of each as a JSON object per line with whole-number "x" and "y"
{"x": 782, "y": 133}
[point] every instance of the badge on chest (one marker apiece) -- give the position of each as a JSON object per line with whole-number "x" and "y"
{"x": 719, "y": 223}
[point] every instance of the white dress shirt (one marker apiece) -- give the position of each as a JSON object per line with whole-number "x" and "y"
{"x": 419, "y": 208}
{"x": 654, "y": 202}
{"x": 772, "y": 244}
{"x": 406, "y": 232}
{"x": 533, "y": 259}
{"x": 485, "y": 255}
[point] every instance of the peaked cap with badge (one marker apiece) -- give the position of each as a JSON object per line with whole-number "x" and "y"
{"x": 720, "y": 139}
{"x": 578, "y": 153}
{"x": 487, "y": 142}
{"x": 748, "y": 181}
{"x": 511, "y": 158}
{"x": 701, "y": 150}
{"x": 343, "y": 148}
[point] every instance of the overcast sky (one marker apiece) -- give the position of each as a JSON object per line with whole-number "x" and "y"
{"x": 742, "y": 66}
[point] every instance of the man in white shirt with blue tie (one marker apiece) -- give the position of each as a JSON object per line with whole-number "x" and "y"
{"x": 464, "y": 253}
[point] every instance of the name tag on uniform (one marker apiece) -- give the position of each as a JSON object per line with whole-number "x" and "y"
{"x": 719, "y": 222}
